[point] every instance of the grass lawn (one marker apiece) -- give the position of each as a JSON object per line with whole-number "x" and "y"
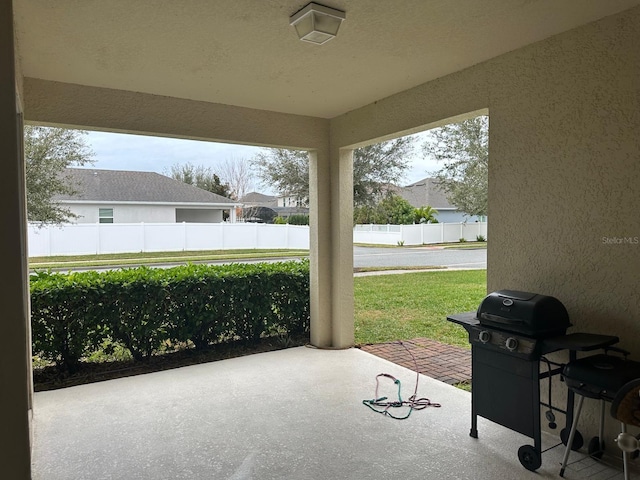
{"x": 145, "y": 258}
{"x": 401, "y": 307}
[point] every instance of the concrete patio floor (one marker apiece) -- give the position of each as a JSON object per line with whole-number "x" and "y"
{"x": 290, "y": 414}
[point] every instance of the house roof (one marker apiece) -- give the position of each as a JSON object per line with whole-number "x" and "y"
{"x": 255, "y": 198}
{"x": 125, "y": 186}
{"x": 425, "y": 192}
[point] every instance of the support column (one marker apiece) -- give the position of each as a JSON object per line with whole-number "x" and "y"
{"x": 232, "y": 215}
{"x": 331, "y": 247}
{"x": 15, "y": 354}
{"x": 342, "y": 334}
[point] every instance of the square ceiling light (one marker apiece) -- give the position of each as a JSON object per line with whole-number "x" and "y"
{"x": 316, "y": 23}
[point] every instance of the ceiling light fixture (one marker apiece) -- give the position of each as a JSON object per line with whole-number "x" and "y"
{"x": 316, "y": 23}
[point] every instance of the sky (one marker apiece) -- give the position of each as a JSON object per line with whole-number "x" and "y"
{"x": 116, "y": 151}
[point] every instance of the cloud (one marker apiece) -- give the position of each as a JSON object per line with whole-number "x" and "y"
{"x": 118, "y": 151}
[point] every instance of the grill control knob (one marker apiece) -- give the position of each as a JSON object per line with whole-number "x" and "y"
{"x": 484, "y": 336}
{"x": 511, "y": 344}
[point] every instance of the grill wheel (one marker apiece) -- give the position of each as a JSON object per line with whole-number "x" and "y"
{"x": 529, "y": 458}
{"x": 578, "y": 440}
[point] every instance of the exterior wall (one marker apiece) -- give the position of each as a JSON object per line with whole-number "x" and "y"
{"x": 88, "y": 213}
{"x": 80, "y": 106}
{"x": 452, "y": 216}
{"x": 564, "y": 167}
{"x": 194, "y": 215}
{"x": 15, "y": 355}
{"x": 290, "y": 201}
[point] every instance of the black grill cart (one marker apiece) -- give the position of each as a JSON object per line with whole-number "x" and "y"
{"x": 505, "y": 384}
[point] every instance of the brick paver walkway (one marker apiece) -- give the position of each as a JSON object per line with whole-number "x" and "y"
{"x": 437, "y": 360}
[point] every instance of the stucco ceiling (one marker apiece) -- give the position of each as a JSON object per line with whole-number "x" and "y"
{"x": 244, "y": 53}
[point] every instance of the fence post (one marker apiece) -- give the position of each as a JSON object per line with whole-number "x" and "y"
{"x": 49, "y": 242}
{"x": 98, "y": 232}
{"x": 184, "y": 236}
{"x": 287, "y": 233}
{"x": 256, "y": 235}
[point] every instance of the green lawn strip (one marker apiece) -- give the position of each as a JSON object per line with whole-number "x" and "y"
{"x": 393, "y": 269}
{"x": 402, "y": 307}
{"x": 468, "y": 244}
{"x": 159, "y": 257}
{"x": 376, "y": 245}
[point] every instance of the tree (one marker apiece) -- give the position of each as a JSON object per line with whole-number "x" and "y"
{"x": 48, "y": 151}
{"x": 464, "y": 149}
{"x": 393, "y": 209}
{"x": 377, "y": 166}
{"x": 199, "y": 176}
{"x": 237, "y": 174}
{"x": 287, "y": 171}
{"x": 374, "y": 168}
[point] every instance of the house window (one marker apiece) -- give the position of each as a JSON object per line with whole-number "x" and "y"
{"x": 105, "y": 215}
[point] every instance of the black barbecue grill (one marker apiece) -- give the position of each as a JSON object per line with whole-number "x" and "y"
{"x": 509, "y": 334}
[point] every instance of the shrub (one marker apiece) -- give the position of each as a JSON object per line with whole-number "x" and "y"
{"x": 298, "y": 219}
{"x": 137, "y": 309}
{"x": 65, "y": 316}
{"x": 141, "y": 309}
{"x": 462, "y": 239}
{"x": 480, "y": 238}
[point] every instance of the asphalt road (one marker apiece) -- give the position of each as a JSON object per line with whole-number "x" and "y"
{"x": 463, "y": 258}
{"x": 452, "y": 258}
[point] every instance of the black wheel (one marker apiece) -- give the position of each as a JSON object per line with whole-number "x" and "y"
{"x": 529, "y": 457}
{"x": 578, "y": 441}
{"x": 594, "y": 448}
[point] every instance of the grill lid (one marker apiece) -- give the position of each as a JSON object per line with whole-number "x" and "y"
{"x": 527, "y": 313}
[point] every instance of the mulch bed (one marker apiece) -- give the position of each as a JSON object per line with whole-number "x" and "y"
{"x": 51, "y": 378}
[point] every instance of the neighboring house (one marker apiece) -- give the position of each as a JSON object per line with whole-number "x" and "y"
{"x": 291, "y": 201}
{"x": 426, "y": 192}
{"x": 117, "y": 196}
{"x": 260, "y": 207}
{"x": 255, "y": 199}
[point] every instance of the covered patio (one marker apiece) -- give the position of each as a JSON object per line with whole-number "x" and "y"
{"x": 292, "y": 414}
{"x": 558, "y": 79}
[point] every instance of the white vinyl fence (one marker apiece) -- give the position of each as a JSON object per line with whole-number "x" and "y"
{"x": 418, "y": 234}
{"x": 94, "y": 238}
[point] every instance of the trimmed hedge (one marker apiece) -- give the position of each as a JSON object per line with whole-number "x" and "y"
{"x": 142, "y": 309}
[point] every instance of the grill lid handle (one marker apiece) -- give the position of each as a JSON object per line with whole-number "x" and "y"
{"x": 502, "y": 320}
